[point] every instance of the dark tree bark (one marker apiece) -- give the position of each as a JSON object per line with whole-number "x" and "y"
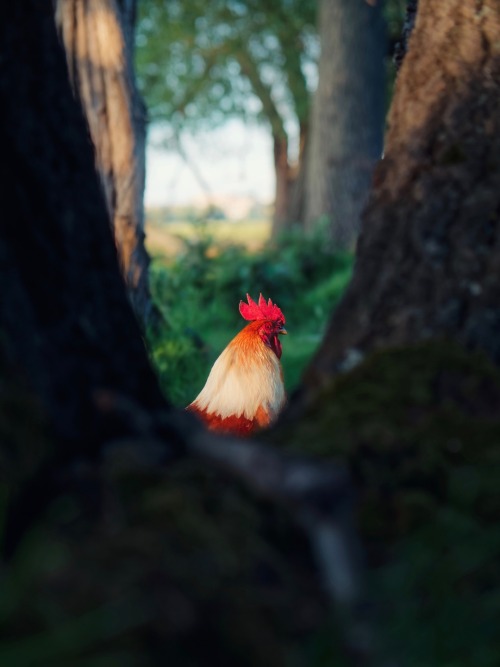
{"x": 428, "y": 256}
{"x": 98, "y": 38}
{"x": 63, "y": 307}
{"x": 347, "y": 121}
{"x": 172, "y": 562}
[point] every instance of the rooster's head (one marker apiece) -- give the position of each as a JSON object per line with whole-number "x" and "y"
{"x": 268, "y": 317}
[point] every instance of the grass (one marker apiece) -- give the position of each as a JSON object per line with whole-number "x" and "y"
{"x": 198, "y": 288}
{"x": 166, "y": 240}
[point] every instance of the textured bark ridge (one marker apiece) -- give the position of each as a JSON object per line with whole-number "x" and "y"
{"x": 428, "y": 262}
{"x": 97, "y": 36}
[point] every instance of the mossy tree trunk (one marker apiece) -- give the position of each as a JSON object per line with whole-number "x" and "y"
{"x": 98, "y": 39}
{"x": 428, "y": 257}
{"x": 404, "y": 385}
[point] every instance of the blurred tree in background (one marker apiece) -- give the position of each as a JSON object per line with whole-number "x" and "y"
{"x": 348, "y": 113}
{"x": 427, "y": 255}
{"x": 258, "y": 61}
{"x": 199, "y": 65}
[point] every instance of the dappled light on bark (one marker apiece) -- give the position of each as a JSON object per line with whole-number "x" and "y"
{"x": 100, "y": 66}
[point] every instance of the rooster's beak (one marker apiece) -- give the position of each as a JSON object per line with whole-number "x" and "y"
{"x": 283, "y": 331}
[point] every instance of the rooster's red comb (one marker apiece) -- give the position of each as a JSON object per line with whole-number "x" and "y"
{"x": 264, "y": 310}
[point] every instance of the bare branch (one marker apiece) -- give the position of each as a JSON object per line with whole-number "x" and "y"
{"x": 250, "y": 69}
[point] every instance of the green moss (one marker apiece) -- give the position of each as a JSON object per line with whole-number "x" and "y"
{"x": 188, "y": 562}
{"x": 412, "y": 422}
{"x": 220, "y": 548}
{"x": 420, "y": 428}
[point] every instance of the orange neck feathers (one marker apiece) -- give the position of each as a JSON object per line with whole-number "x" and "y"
{"x": 244, "y": 390}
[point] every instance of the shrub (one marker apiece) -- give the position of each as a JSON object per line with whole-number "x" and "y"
{"x": 199, "y": 291}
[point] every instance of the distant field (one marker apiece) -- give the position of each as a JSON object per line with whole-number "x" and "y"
{"x": 166, "y": 239}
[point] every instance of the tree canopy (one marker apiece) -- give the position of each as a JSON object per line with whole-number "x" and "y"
{"x": 199, "y": 66}
{"x": 199, "y": 63}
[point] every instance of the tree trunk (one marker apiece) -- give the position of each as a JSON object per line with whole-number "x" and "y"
{"x": 290, "y": 185}
{"x": 403, "y": 384}
{"x": 98, "y": 38}
{"x": 297, "y": 187}
{"x": 281, "y": 198}
{"x": 429, "y": 254}
{"x": 64, "y": 310}
{"x": 282, "y": 169}
{"x": 141, "y": 553}
{"x": 347, "y": 116}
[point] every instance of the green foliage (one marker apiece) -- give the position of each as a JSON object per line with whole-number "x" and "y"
{"x": 200, "y": 290}
{"x": 199, "y": 62}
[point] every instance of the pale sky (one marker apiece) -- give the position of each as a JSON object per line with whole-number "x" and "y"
{"x": 232, "y": 160}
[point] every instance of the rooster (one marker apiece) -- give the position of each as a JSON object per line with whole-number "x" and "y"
{"x": 244, "y": 391}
